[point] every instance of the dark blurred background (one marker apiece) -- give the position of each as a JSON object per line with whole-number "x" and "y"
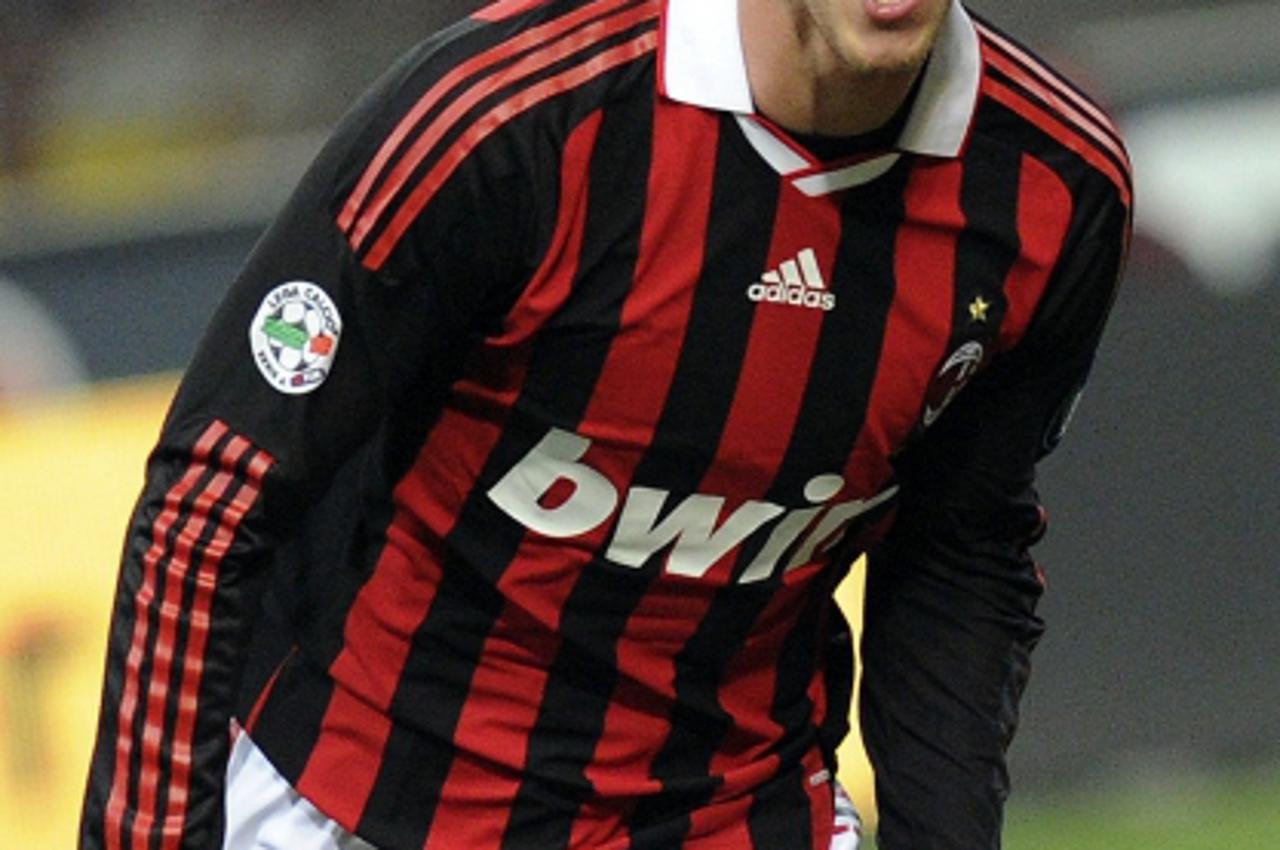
{"x": 144, "y": 144}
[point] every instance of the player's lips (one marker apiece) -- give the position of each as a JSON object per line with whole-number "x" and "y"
{"x": 890, "y": 11}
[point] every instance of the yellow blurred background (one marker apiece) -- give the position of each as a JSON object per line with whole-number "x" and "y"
{"x": 70, "y": 470}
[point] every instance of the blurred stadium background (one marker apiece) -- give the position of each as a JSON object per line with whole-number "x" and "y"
{"x": 145, "y": 143}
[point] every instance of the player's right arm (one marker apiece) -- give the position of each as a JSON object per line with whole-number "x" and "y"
{"x": 314, "y": 350}
{"x": 950, "y": 618}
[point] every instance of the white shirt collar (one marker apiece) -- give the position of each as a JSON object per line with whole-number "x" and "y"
{"x": 702, "y": 65}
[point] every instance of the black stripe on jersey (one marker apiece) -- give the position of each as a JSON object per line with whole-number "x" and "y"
{"x": 543, "y": 811}
{"x": 694, "y": 414}
{"x": 989, "y": 245}
{"x": 466, "y": 123}
{"x": 833, "y": 414}
{"x": 792, "y": 709}
{"x": 719, "y": 323}
{"x": 561, "y": 377}
{"x": 1121, "y": 165}
{"x": 289, "y": 723}
{"x": 836, "y": 397}
{"x": 698, "y": 723}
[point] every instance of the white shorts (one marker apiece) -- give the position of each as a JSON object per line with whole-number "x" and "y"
{"x": 265, "y": 813}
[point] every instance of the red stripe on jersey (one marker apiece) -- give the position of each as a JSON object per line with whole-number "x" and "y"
{"x": 260, "y": 701}
{"x": 745, "y": 756}
{"x": 341, "y": 771}
{"x": 919, "y": 320}
{"x": 170, "y": 612}
{"x": 1035, "y": 66}
{"x": 780, "y": 348}
{"x": 815, "y": 780}
{"x": 503, "y": 9}
{"x": 117, "y": 802}
{"x": 672, "y": 245}
{"x": 506, "y": 694}
{"x": 655, "y": 315}
{"x": 197, "y": 640}
{"x": 1045, "y": 206}
{"x": 378, "y": 634}
{"x": 1059, "y": 105}
{"x": 536, "y": 37}
{"x": 765, "y": 408}
{"x": 1064, "y": 134}
{"x": 489, "y": 123}
{"x": 502, "y": 701}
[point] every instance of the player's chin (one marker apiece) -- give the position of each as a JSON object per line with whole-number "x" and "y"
{"x": 901, "y": 45}
{"x": 887, "y": 53}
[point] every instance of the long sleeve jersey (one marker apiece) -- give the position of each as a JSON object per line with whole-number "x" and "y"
{"x": 503, "y": 502}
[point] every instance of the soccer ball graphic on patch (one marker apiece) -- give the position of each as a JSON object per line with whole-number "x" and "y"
{"x": 294, "y": 337}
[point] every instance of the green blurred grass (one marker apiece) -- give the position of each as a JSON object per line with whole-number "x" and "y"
{"x": 1174, "y": 811}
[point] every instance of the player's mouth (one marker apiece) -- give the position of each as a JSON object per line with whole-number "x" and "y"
{"x": 890, "y": 11}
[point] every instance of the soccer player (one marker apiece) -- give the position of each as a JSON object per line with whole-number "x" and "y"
{"x": 502, "y": 505}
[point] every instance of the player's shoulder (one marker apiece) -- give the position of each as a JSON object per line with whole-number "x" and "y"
{"x": 505, "y": 72}
{"x": 529, "y": 51}
{"x": 479, "y": 105}
{"x": 1051, "y": 113}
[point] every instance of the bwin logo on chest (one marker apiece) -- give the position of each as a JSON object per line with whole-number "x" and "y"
{"x": 693, "y": 529}
{"x": 797, "y": 282}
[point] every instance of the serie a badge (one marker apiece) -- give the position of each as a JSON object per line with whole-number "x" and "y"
{"x": 294, "y": 337}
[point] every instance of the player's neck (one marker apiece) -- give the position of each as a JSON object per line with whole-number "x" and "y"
{"x": 798, "y": 83}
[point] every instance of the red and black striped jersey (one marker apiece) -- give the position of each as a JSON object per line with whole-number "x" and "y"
{"x": 504, "y": 499}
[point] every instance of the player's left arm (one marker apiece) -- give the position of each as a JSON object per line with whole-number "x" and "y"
{"x": 950, "y": 618}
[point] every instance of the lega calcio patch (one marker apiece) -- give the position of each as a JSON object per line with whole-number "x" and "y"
{"x": 294, "y": 337}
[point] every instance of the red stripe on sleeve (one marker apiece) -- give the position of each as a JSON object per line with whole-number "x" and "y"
{"x": 1064, "y": 134}
{"x": 1063, "y": 108}
{"x": 1034, "y": 66}
{"x": 1045, "y": 207}
{"x": 197, "y": 641}
{"x": 503, "y": 9}
{"x": 117, "y": 802}
{"x": 170, "y": 612}
{"x": 540, "y": 37}
{"x": 488, "y": 124}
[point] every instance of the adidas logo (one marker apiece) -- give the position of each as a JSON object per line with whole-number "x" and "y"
{"x": 796, "y": 282}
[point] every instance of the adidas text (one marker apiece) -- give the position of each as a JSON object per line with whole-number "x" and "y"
{"x": 798, "y": 283}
